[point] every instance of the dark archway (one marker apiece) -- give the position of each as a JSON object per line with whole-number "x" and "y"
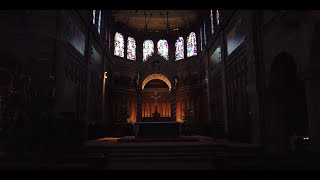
{"x": 288, "y": 112}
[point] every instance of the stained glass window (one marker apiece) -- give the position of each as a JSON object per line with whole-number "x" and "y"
{"x": 99, "y": 22}
{"x": 218, "y": 17}
{"x": 204, "y": 34}
{"x": 119, "y": 45}
{"x": 236, "y": 36}
{"x": 211, "y": 18}
{"x": 148, "y": 49}
{"x": 191, "y": 45}
{"x": 94, "y": 16}
{"x": 163, "y": 49}
{"x": 179, "y": 48}
{"x": 201, "y": 39}
{"x": 131, "y": 48}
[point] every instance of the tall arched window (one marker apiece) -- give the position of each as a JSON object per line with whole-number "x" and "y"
{"x": 148, "y": 49}
{"x": 179, "y": 48}
{"x": 131, "y": 48}
{"x": 163, "y": 49}
{"x": 94, "y": 17}
{"x": 218, "y": 17}
{"x": 191, "y": 45}
{"x": 118, "y": 45}
{"x": 200, "y": 39}
{"x": 99, "y": 22}
{"x": 211, "y": 18}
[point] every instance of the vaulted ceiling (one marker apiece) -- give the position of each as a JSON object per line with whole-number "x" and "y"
{"x": 156, "y": 20}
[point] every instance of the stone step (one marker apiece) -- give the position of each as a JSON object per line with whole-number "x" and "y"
{"x": 161, "y": 159}
{"x": 162, "y": 165}
{"x": 165, "y": 155}
{"x": 160, "y": 150}
{"x": 156, "y": 146}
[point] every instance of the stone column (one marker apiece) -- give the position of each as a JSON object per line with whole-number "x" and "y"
{"x": 139, "y": 105}
{"x": 255, "y": 81}
{"x": 173, "y": 104}
{"x": 210, "y": 119}
{"x": 224, "y": 84}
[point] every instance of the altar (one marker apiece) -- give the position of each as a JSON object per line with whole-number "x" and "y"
{"x": 165, "y": 129}
{"x": 156, "y": 113}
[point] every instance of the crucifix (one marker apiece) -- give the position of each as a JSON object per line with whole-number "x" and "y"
{"x": 155, "y": 97}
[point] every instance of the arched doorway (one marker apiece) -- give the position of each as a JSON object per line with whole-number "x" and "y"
{"x": 287, "y": 104}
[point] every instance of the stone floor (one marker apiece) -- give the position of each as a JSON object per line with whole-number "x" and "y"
{"x": 184, "y": 153}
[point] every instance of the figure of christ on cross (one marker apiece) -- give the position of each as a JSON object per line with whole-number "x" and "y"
{"x": 155, "y": 97}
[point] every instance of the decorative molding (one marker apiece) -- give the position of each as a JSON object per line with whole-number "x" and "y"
{"x": 156, "y": 76}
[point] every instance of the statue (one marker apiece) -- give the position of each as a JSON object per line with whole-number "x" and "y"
{"x": 124, "y": 114}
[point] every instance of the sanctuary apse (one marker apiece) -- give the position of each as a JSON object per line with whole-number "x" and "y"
{"x": 245, "y": 76}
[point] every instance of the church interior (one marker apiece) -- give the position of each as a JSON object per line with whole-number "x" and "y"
{"x": 159, "y": 89}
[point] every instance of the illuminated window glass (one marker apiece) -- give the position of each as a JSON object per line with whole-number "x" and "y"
{"x": 119, "y": 45}
{"x": 236, "y": 36}
{"x": 211, "y": 18}
{"x": 218, "y": 17}
{"x": 191, "y": 45}
{"x": 163, "y": 49}
{"x": 94, "y": 16}
{"x": 148, "y": 49}
{"x": 99, "y": 22}
{"x": 179, "y": 48}
{"x": 131, "y": 48}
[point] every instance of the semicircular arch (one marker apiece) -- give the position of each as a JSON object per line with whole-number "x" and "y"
{"x": 156, "y": 76}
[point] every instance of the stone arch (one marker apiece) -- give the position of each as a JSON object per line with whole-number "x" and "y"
{"x": 156, "y": 76}
{"x": 287, "y": 103}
